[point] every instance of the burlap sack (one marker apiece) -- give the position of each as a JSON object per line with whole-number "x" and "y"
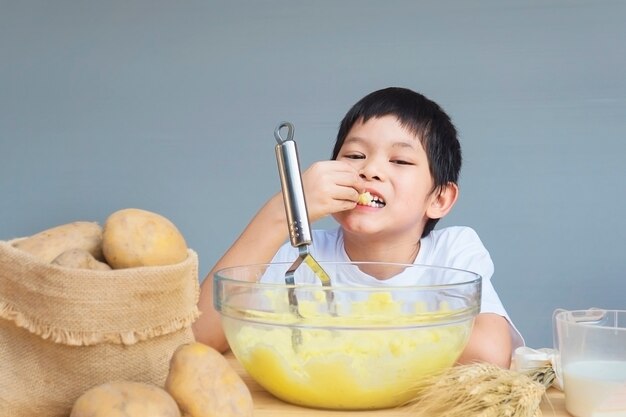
{"x": 65, "y": 330}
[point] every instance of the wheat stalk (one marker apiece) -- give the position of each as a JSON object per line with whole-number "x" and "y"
{"x": 481, "y": 390}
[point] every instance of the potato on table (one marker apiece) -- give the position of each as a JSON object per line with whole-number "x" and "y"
{"x": 134, "y": 237}
{"x": 125, "y": 399}
{"x": 205, "y": 385}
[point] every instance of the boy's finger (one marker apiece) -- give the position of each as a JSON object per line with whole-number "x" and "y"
{"x": 348, "y": 194}
{"x": 349, "y": 179}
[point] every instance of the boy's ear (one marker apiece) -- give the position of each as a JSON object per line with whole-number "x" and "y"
{"x": 443, "y": 201}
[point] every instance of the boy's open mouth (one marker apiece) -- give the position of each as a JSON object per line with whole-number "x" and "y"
{"x": 368, "y": 199}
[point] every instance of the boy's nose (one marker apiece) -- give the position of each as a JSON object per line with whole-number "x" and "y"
{"x": 368, "y": 172}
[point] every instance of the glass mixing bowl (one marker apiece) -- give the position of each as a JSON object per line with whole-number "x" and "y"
{"x": 362, "y": 343}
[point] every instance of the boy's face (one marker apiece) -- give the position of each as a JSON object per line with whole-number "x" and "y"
{"x": 394, "y": 168}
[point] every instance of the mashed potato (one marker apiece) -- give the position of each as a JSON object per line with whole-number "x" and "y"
{"x": 370, "y": 365}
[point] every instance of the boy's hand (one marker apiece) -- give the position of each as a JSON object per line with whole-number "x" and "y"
{"x": 330, "y": 187}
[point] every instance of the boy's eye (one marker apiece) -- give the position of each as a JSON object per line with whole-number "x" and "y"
{"x": 354, "y": 156}
{"x": 401, "y": 162}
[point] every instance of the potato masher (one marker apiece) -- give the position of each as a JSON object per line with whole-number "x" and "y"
{"x": 297, "y": 217}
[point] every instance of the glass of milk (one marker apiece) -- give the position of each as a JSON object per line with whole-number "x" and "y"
{"x": 592, "y": 348}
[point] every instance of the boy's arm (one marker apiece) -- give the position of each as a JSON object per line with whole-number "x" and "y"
{"x": 330, "y": 187}
{"x": 490, "y": 341}
{"x": 257, "y": 244}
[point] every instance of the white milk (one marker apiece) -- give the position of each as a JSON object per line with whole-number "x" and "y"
{"x": 595, "y": 388}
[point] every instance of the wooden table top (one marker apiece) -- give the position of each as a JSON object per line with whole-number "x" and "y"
{"x": 266, "y": 405}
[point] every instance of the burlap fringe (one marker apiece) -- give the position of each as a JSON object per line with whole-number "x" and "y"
{"x": 83, "y": 338}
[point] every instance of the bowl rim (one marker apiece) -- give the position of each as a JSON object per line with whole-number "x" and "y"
{"x": 476, "y": 278}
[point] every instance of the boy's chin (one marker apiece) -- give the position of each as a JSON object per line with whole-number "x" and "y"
{"x": 374, "y": 229}
{"x": 359, "y": 226}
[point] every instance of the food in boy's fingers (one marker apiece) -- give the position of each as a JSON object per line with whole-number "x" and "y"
{"x": 125, "y": 399}
{"x": 50, "y": 243}
{"x": 80, "y": 258}
{"x": 205, "y": 385}
{"x": 134, "y": 237}
{"x": 368, "y": 199}
{"x": 364, "y": 198}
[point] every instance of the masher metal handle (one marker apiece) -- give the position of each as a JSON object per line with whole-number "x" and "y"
{"x": 297, "y": 214}
{"x": 293, "y": 190}
{"x": 295, "y": 203}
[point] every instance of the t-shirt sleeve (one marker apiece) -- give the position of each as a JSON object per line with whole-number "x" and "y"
{"x": 466, "y": 251}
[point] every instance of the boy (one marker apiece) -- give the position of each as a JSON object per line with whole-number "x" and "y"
{"x": 393, "y": 175}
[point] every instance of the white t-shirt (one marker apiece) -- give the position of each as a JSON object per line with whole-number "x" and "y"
{"x": 453, "y": 247}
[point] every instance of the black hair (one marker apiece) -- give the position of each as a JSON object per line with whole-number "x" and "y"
{"x": 422, "y": 117}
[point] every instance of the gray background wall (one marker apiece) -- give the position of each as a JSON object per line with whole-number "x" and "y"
{"x": 170, "y": 106}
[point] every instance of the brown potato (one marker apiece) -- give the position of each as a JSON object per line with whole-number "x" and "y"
{"x": 80, "y": 258}
{"x": 134, "y": 237}
{"x": 205, "y": 385}
{"x": 50, "y": 243}
{"x": 125, "y": 399}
